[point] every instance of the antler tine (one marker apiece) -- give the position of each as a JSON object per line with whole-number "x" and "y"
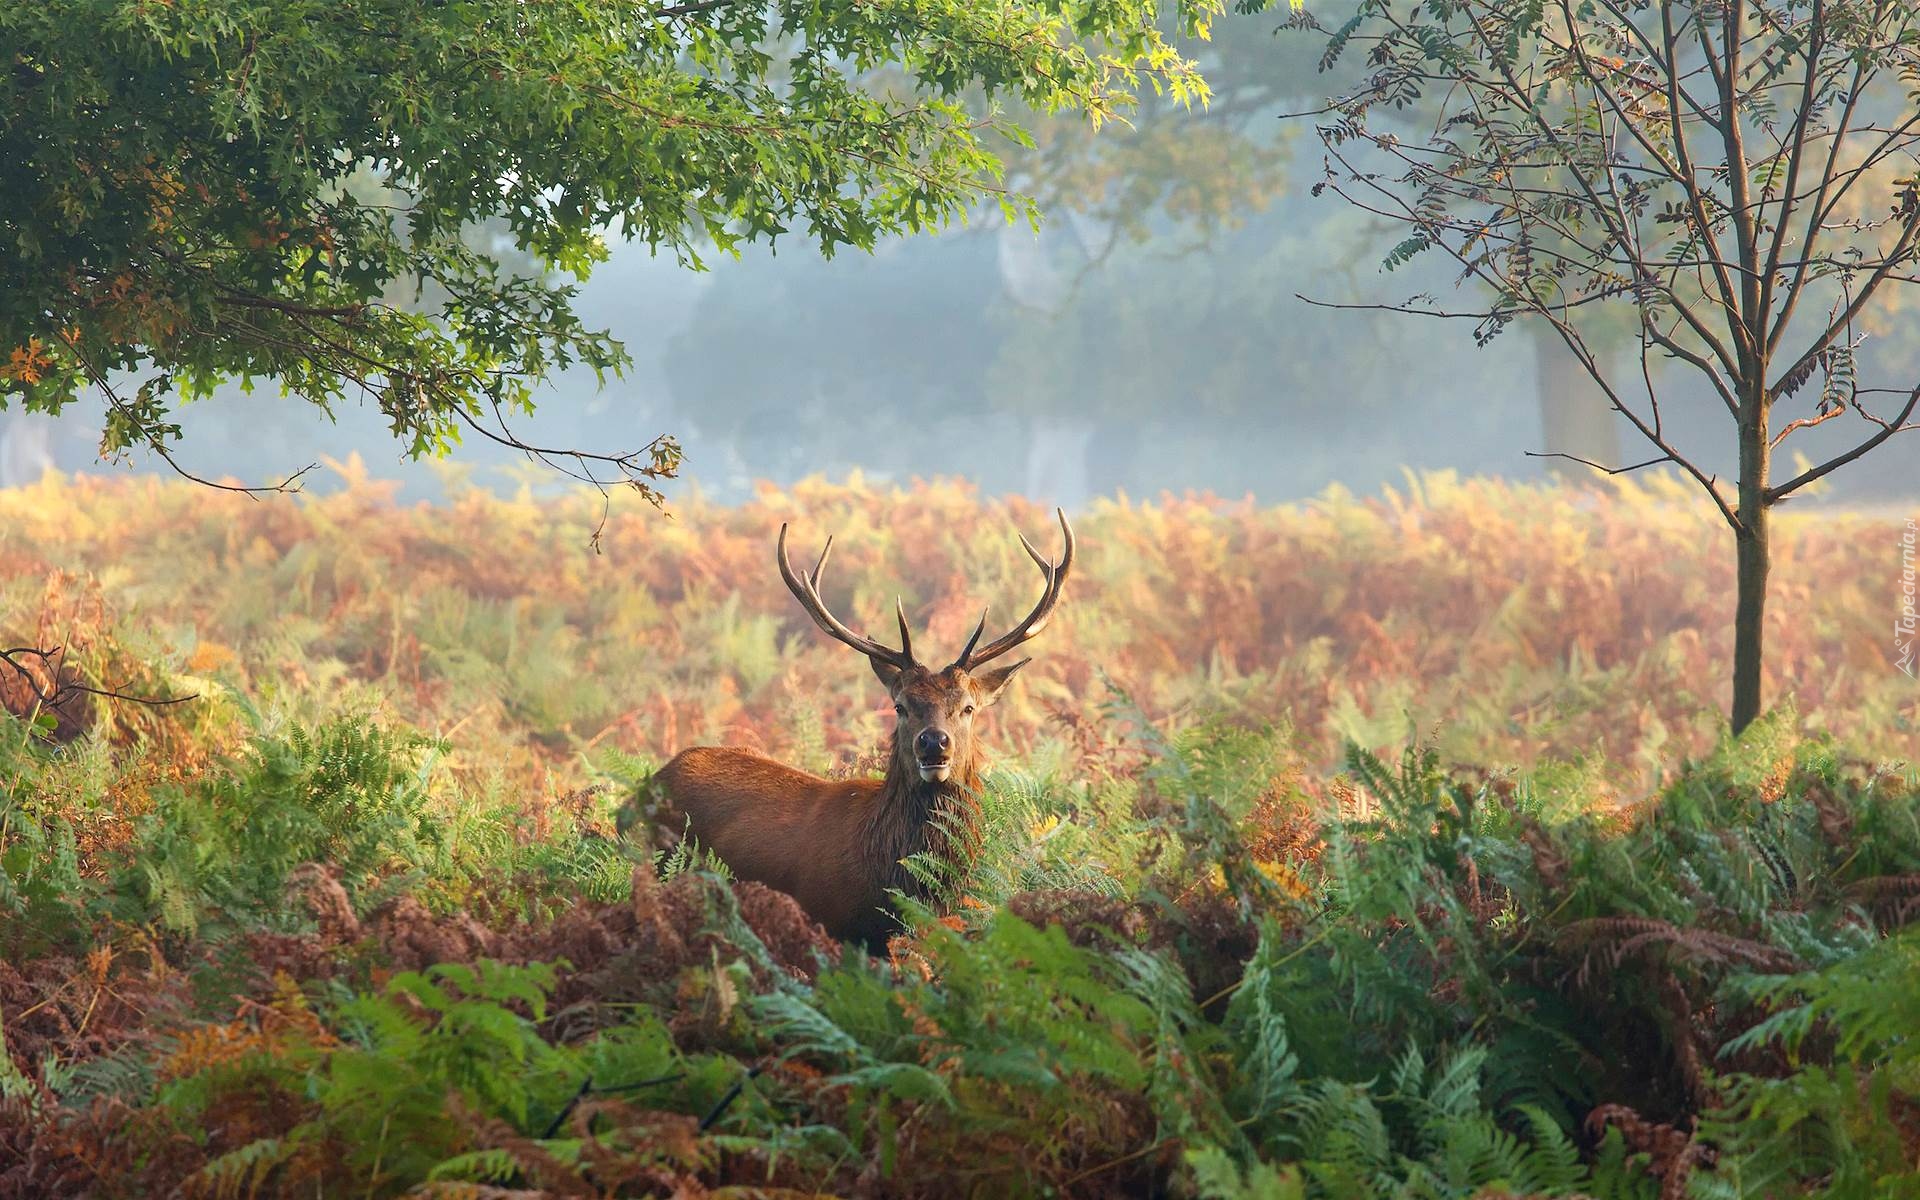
{"x": 906, "y": 638}
{"x": 979, "y": 629}
{"x": 1045, "y": 564}
{"x": 1056, "y": 575}
{"x": 807, "y": 591}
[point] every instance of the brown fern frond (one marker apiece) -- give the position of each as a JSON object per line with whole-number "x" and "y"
{"x": 1674, "y": 1153}
{"x": 641, "y": 1151}
{"x": 556, "y": 1178}
{"x": 326, "y": 898}
{"x": 1836, "y": 822}
{"x": 451, "y": 1189}
{"x": 1893, "y": 899}
{"x": 1622, "y": 938}
{"x": 1549, "y": 860}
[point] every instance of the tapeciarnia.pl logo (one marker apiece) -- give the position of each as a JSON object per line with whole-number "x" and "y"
{"x": 1907, "y": 623}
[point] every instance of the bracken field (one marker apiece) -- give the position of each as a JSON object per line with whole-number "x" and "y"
{"x": 1383, "y": 846}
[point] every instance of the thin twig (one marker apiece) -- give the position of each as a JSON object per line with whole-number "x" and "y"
{"x": 726, "y": 1101}
{"x": 586, "y": 1088}
{"x": 1605, "y": 470}
{"x": 60, "y": 691}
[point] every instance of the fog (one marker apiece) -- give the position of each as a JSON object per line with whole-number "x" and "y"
{"x": 1110, "y": 351}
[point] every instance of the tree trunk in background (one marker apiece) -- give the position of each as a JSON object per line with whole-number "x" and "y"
{"x": 1753, "y": 551}
{"x": 26, "y": 448}
{"x": 1057, "y": 460}
{"x": 1575, "y": 417}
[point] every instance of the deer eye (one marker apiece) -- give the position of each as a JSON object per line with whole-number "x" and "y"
{"x": 967, "y": 711}
{"x": 900, "y": 710}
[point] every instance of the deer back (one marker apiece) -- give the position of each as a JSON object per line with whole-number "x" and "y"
{"x": 795, "y": 832}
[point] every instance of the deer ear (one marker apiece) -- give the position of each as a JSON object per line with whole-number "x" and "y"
{"x": 886, "y": 672}
{"x": 992, "y": 683}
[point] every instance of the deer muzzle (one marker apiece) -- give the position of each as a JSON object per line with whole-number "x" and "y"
{"x": 933, "y": 754}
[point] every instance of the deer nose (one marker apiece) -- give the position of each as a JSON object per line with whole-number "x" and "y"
{"x": 932, "y": 745}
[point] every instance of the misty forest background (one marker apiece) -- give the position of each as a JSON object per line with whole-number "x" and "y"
{"x": 1149, "y": 335}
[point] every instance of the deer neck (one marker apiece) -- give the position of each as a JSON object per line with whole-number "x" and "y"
{"x": 914, "y": 816}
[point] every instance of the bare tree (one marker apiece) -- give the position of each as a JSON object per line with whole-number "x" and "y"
{"x": 1736, "y": 176}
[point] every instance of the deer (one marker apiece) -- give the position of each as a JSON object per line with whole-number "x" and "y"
{"x": 839, "y": 847}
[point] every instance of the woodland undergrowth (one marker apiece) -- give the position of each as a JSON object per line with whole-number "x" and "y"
{"x": 1362, "y": 848}
{"x": 1186, "y": 967}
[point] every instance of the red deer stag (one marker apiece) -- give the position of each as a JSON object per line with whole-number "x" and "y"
{"x": 837, "y": 846}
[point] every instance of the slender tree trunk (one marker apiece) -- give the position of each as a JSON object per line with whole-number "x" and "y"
{"x": 1575, "y": 417}
{"x": 26, "y": 448}
{"x": 1057, "y": 470}
{"x": 1753, "y": 545}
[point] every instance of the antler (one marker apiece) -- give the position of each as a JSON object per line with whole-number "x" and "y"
{"x": 806, "y": 589}
{"x": 1037, "y": 619}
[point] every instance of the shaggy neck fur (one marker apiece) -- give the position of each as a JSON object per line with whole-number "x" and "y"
{"x": 914, "y": 816}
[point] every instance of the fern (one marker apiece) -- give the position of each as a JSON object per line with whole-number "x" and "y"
{"x": 126, "y": 1075}
{"x": 1837, "y": 1122}
{"x": 1216, "y": 1176}
{"x": 243, "y": 1172}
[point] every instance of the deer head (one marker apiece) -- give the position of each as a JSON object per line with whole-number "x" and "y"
{"x": 933, "y": 740}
